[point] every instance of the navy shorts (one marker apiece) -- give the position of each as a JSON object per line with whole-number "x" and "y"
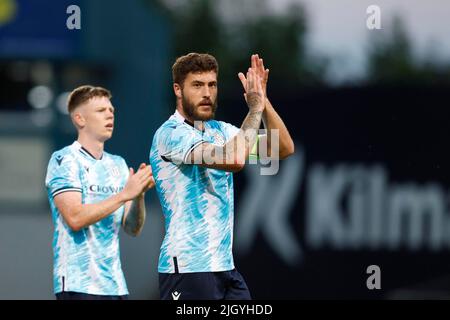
{"x": 68, "y": 295}
{"x": 225, "y": 285}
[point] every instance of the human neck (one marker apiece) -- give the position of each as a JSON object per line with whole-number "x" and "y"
{"x": 94, "y": 147}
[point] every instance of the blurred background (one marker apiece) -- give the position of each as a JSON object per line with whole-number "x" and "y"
{"x": 369, "y": 181}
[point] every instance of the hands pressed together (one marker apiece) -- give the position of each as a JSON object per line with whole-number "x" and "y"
{"x": 255, "y": 84}
{"x": 138, "y": 183}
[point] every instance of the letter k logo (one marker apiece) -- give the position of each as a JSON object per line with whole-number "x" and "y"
{"x": 176, "y": 295}
{"x": 266, "y": 205}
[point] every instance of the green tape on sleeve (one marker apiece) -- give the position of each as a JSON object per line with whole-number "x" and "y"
{"x": 254, "y": 153}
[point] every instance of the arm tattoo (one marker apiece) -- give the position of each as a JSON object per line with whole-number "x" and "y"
{"x": 250, "y": 127}
{"x": 136, "y": 217}
{"x": 249, "y": 132}
{"x": 252, "y": 121}
{"x": 253, "y": 100}
{"x": 239, "y": 147}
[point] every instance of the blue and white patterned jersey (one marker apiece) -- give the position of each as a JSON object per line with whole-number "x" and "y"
{"x": 197, "y": 202}
{"x": 87, "y": 261}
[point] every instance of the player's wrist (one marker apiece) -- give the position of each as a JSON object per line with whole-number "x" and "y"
{"x": 123, "y": 196}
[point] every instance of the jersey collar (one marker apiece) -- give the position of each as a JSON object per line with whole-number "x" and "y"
{"x": 84, "y": 151}
{"x": 180, "y": 118}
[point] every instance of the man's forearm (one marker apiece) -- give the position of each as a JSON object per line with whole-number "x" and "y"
{"x": 85, "y": 215}
{"x": 135, "y": 217}
{"x": 232, "y": 156}
{"x": 272, "y": 120}
{"x": 238, "y": 148}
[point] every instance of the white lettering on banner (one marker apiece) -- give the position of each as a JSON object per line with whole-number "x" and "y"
{"x": 353, "y": 207}
{"x": 347, "y": 207}
{"x": 266, "y": 203}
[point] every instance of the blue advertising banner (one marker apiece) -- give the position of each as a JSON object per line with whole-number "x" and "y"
{"x": 34, "y": 29}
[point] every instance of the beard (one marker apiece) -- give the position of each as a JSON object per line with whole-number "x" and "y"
{"x": 191, "y": 109}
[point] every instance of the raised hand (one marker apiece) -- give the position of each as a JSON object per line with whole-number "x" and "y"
{"x": 262, "y": 72}
{"x": 151, "y": 182}
{"x": 138, "y": 182}
{"x": 254, "y": 91}
{"x": 257, "y": 64}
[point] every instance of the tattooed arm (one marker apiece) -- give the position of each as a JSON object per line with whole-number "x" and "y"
{"x": 231, "y": 156}
{"x": 270, "y": 118}
{"x": 134, "y": 217}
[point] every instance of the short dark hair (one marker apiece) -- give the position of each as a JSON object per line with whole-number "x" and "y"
{"x": 193, "y": 62}
{"x": 83, "y": 94}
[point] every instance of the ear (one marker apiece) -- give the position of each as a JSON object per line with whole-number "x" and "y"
{"x": 177, "y": 90}
{"x": 78, "y": 119}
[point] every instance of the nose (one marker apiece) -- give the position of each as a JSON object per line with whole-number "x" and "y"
{"x": 206, "y": 92}
{"x": 110, "y": 115}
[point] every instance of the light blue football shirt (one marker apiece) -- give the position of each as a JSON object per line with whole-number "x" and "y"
{"x": 87, "y": 261}
{"x": 197, "y": 202}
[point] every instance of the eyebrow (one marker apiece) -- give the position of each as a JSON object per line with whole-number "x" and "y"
{"x": 103, "y": 107}
{"x": 201, "y": 82}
